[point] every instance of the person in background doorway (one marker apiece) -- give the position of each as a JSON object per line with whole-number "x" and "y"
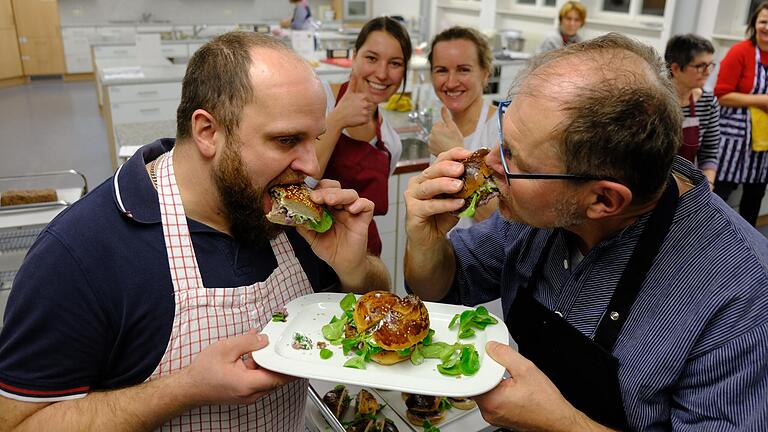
{"x": 301, "y": 19}
{"x": 742, "y": 91}
{"x": 689, "y": 59}
{"x": 137, "y": 308}
{"x": 359, "y": 148}
{"x": 460, "y": 63}
{"x": 572, "y": 17}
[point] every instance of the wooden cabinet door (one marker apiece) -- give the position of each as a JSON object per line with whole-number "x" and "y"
{"x": 37, "y": 18}
{"x": 42, "y": 56}
{"x": 6, "y": 15}
{"x": 10, "y": 62}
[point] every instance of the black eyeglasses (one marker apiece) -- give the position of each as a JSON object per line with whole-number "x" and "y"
{"x": 538, "y": 176}
{"x": 701, "y": 67}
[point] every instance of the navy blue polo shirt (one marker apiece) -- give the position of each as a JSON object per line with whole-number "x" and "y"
{"x": 92, "y": 305}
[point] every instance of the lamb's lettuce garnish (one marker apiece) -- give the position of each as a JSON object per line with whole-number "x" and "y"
{"x": 324, "y": 224}
{"x": 469, "y": 320}
{"x": 488, "y": 187}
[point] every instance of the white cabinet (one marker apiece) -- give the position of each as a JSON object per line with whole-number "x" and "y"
{"x": 77, "y": 48}
{"x": 137, "y": 103}
{"x": 127, "y": 104}
{"x": 192, "y": 47}
{"x": 145, "y": 92}
{"x": 143, "y": 112}
{"x": 174, "y": 50}
{"x": 117, "y": 34}
{"x": 114, "y": 51}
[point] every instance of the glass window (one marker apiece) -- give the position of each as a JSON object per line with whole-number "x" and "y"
{"x": 530, "y": 2}
{"x": 549, "y": 2}
{"x": 616, "y": 6}
{"x": 653, "y": 7}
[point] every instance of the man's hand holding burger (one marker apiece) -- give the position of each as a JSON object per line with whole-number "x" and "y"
{"x": 454, "y": 186}
{"x": 343, "y": 245}
{"x": 428, "y": 210}
{"x": 428, "y": 264}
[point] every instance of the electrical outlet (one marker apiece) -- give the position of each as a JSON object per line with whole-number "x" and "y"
{"x": 227, "y": 12}
{"x": 77, "y": 12}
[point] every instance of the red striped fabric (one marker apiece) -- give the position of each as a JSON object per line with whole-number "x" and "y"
{"x": 205, "y": 315}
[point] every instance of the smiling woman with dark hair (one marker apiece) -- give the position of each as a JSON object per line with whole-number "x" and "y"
{"x": 360, "y": 149}
{"x": 689, "y": 59}
{"x": 742, "y": 89}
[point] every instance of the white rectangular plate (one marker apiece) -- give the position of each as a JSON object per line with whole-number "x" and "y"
{"x": 307, "y": 315}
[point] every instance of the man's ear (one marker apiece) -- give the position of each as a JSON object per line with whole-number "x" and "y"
{"x": 205, "y": 133}
{"x": 607, "y": 199}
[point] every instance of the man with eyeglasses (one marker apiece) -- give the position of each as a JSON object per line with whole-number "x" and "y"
{"x": 637, "y": 297}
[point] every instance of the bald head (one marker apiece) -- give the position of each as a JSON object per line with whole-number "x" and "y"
{"x": 620, "y": 113}
{"x": 227, "y": 73}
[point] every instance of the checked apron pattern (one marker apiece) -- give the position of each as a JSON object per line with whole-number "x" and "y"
{"x": 204, "y": 315}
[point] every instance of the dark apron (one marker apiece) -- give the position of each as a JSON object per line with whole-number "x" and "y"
{"x": 585, "y": 371}
{"x": 358, "y": 165}
{"x": 690, "y": 147}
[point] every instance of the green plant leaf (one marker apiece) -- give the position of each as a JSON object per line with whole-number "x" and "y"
{"x": 355, "y": 362}
{"x": 334, "y": 330}
{"x": 417, "y": 357}
{"x": 324, "y": 224}
{"x": 348, "y": 302}
{"x": 325, "y": 353}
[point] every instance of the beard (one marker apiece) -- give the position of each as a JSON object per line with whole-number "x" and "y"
{"x": 566, "y": 209}
{"x": 568, "y": 213}
{"x": 242, "y": 201}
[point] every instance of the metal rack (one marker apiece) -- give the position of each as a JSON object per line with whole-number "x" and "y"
{"x": 21, "y": 224}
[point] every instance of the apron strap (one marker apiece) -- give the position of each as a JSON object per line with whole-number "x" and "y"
{"x": 182, "y": 259}
{"x": 691, "y": 106}
{"x": 640, "y": 263}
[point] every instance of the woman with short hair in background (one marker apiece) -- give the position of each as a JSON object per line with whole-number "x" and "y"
{"x": 359, "y": 148}
{"x": 742, "y": 91}
{"x": 460, "y": 63}
{"x": 689, "y": 59}
{"x": 572, "y": 17}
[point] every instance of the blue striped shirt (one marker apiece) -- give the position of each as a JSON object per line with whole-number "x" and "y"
{"x": 693, "y": 354}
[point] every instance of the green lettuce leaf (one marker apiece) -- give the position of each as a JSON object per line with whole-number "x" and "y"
{"x": 324, "y": 224}
{"x": 489, "y": 186}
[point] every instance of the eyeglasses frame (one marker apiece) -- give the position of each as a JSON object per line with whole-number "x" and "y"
{"x": 536, "y": 176}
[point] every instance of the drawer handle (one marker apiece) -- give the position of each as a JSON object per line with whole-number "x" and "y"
{"x": 147, "y": 92}
{"x": 148, "y": 110}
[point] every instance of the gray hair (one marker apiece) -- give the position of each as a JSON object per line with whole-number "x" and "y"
{"x": 622, "y": 118}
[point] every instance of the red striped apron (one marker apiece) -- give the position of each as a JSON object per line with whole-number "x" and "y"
{"x": 205, "y": 315}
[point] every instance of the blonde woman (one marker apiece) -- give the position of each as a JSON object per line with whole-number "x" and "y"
{"x": 572, "y": 17}
{"x": 460, "y": 62}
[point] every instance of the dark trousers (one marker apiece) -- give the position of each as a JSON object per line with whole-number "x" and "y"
{"x": 751, "y": 198}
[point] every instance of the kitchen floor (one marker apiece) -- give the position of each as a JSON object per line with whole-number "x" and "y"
{"x": 51, "y": 125}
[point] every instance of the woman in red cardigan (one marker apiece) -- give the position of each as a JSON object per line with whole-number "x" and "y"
{"x": 743, "y": 84}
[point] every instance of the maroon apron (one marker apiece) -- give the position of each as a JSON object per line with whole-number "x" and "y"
{"x": 360, "y": 166}
{"x": 690, "y": 146}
